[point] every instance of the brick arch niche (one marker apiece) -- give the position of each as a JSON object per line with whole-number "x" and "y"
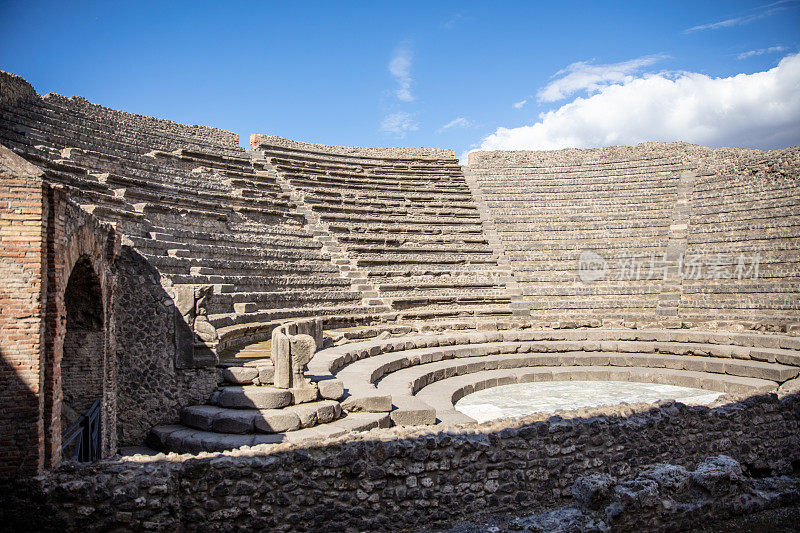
{"x": 83, "y": 361}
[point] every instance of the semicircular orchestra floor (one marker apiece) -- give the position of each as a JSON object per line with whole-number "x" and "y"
{"x": 520, "y": 399}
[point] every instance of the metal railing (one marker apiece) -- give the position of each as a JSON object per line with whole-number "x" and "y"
{"x": 84, "y": 435}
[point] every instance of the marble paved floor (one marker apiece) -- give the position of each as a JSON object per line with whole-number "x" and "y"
{"x": 525, "y": 398}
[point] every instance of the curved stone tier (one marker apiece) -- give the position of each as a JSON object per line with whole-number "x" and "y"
{"x": 404, "y": 377}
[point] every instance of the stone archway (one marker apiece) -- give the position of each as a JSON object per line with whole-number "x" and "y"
{"x": 82, "y": 364}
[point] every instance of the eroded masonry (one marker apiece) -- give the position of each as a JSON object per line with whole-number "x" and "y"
{"x": 313, "y": 313}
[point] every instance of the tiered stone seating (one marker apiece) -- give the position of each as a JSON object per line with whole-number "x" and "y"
{"x": 413, "y": 375}
{"x": 549, "y": 207}
{"x": 388, "y": 375}
{"x": 406, "y": 222}
{"x": 745, "y": 235}
{"x": 190, "y": 201}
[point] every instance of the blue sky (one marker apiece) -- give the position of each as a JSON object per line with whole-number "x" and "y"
{"x": 445, "y": 74}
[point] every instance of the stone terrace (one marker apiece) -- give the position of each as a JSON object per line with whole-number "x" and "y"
{"x": 400, "y": 223}
{"x": 653, "y": 212}
{"x": 189, "y": 200}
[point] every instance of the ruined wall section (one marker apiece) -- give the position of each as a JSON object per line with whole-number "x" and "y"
{"x": 409, "y": 478}
{"x": 355, "y": 151}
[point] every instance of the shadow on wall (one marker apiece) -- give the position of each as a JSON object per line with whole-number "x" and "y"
{"x": 82, "y": 369}
{"x": 371, "y": 482}
{"x": 21, "y": 432}
{"x": 163, "y": 365}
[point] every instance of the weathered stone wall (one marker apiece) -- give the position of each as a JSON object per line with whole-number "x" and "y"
{"x": 355, "y": 151}
{"x": 75, "y": 237}
{"x": 145, "y": 123}
{"x": 408, "y": 478}
{"x": 152, "y": 387}
{"x": 14, "y": 88}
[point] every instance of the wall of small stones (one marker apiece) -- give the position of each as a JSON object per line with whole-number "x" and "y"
{"x": 145, "y": 123}
{"x": 357, "y": 151}
{"x": 397, "y": 478}
{"x": 14, "y": 88}
{"x": 153, "y": 386}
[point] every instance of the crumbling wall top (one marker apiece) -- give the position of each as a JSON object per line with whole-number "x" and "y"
{"x": 257, "y": 140}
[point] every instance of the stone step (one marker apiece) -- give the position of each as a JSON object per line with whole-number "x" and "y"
{"x": 241, "y": 421}
{"x": 255, "y": 397}
{"x": 181, "y": 439}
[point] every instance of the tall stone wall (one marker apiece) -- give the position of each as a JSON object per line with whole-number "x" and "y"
{"x": 145, "y": 123}
{"x": 398, "y": 478}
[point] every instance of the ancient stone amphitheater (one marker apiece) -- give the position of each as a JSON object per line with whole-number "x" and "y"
{"x": 312, "y": 314}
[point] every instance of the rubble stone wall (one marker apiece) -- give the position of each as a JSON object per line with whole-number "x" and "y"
{"x": 410, "y": 477}
{"x": 355, "y": 151}
{"x": 152, "y": 388}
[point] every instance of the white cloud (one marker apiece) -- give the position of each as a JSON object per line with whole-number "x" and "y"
{"x": 459, "y": 122}
{"x": 761, "y": 51}
{"x": 399, "y": 124}
{"x": 400, "y": 68}
{"x": 584, "y": 76}
{"x": 518, "y": 105}
{"x": 761, "y": 13}
{"x": 759, "y": 110}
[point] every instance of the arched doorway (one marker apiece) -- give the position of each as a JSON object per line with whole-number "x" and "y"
{"x": 82, "y": 364}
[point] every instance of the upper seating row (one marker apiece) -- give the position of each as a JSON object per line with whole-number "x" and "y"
{"x": 657, "y": 232}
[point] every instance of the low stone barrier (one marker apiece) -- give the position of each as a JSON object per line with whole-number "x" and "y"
{"x": 401, "y": 477}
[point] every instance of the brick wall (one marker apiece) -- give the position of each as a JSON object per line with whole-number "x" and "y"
{"x": 22, "y": 255}
{"x": 43, "y": 235}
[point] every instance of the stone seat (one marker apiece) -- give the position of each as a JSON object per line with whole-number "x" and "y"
{"x": 203, "y": 200}
{"x": 250, "y": 303}
{"x": 392, "y": 261}
{"x": 280, "y": 236}
{"x": 223, "y": 321}
{"x": 397, "y": 229}
{"x": 758, "y": 347}
{"x": 373, "y": 219}
{"x": 395, "y": 204}
{"x": 264, "y": 282}
{"x": 244, "y": 251}
{"x": 243, "y": 267}
{"x": 195, "y": 215}
{"x": 180, "y": 439}
{"x": 413, "y": 302}
{"x": 397, "y": 196}
{"x": 241, "y": 421}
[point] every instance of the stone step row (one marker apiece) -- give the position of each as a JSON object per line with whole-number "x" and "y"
{"x": 243, "y": 421}
{"x": 181, "y": 439}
